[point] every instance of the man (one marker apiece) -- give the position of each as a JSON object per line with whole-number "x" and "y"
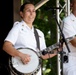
{"x": 69, "y": 30}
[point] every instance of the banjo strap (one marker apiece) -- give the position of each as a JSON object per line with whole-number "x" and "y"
{"x": 37, "y": 38}
{"x": 38, "y": 44}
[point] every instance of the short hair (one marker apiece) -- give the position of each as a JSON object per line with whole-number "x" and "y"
{"x": 71, "y": 1}
{"x": 23, "y": 5}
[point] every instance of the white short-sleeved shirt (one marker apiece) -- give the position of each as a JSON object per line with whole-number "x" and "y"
{"x": 69, "y": 30}
{"x": 21, "y": 36}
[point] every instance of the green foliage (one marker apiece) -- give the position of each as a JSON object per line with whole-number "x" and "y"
{"x": 45, "y": 21}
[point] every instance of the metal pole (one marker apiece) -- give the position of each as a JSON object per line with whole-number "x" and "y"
{"x": 42, "y": 2}
{"x": 58, "y": 37}
{"x": 66, "y": 8}
{"x": 68, "y": 1}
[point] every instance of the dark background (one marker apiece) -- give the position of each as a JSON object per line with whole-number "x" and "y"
{"x": 6, "y": 22}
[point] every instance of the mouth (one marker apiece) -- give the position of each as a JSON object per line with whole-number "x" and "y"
{"x": 31, "y": 17}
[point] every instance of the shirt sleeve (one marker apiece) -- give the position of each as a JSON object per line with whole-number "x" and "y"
{"x": 68, "y": 29}
{"x": 13, "y": 34}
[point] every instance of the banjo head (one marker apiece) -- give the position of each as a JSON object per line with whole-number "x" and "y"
{"x": 32, "y": 67}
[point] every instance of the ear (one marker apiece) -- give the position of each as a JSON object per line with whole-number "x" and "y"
{"x": 71, "y": 5}
{"x": 21, "y": 14}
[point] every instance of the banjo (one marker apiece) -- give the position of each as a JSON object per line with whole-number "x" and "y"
{"x": 18, "y": 68}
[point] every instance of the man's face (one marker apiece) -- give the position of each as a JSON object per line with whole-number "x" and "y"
{"x": 73, "y": 5}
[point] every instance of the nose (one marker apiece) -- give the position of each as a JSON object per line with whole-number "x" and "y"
{"x": 32, "y": 12}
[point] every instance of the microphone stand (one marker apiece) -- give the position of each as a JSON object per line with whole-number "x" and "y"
{"x": 62, "y": 41}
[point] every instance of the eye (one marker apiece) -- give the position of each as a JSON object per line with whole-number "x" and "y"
{"x": 28, "y": 10}
{"x": 34, "y": 11}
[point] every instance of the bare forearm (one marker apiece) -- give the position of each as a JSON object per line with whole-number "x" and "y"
{"x": 8, "y": 47}
{"x": 50, "y": 55}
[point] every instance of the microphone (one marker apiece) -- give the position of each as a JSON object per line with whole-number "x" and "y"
{"x": 52, "y": 8}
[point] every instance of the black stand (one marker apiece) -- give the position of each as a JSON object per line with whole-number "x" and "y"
{"x": 63, "y": 40}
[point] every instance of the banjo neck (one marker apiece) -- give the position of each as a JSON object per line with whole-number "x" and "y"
{"x": 52, "y": 47}
{"x": 49, "y": 49}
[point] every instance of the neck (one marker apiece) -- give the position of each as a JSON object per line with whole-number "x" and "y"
{"x": 29, "y": 25}
{"x": 74, "y": 13}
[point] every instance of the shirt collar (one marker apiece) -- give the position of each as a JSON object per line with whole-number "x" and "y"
{"x": 24, "y": 23}
{"x": 73, "y": 18}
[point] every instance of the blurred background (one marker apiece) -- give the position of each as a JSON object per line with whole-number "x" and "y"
{"x": 45, "y": 21}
